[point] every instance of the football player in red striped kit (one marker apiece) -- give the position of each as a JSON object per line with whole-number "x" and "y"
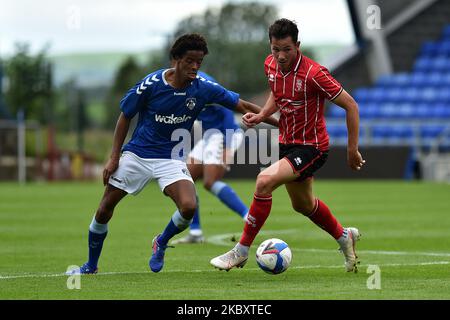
{"x": 299, "y": 87}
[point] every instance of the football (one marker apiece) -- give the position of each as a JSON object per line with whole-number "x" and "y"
{"x": 273, "y": 256}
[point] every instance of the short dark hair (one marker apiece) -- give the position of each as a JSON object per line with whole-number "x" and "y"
{"x": 186, "y": 42}
{"x": 283, "y": 28}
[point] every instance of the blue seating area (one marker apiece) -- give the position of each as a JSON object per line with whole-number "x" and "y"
{"x": 405, "y": 108}
{"x": 393, "y": 133}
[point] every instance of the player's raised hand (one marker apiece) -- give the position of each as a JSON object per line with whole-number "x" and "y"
{"x": 110, "y": 167}
{"x": 251, "y": 119}
{"x": 355, "y": 160}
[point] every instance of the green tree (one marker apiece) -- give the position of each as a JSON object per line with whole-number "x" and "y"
{"x": 128, "y": 74}
{"x": 237, "y": 41}
{"x": 30, "y": 84}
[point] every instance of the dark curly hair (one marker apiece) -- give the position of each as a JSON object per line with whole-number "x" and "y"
{"x": 186, "y": 42}
{"x": 283, "y": 28}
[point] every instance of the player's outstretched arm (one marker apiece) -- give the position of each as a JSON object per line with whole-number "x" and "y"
{"x": 120, "y": 134}
{"x": 345, "y": 101}
{"x": 254, "y": 114}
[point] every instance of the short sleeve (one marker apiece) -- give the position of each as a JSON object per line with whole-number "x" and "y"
{"x": 329, "y": 87}
{"x": 222, "y": 96}
{"x": 136, "y": 98}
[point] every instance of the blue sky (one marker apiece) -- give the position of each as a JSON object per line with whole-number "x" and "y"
{"x": 139, "y": 25}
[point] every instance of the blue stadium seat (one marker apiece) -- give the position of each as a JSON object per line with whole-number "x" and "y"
{"x": 405, "y": 110}
{"x": 381, "y": 131}
{"x": 446, "y": 33}
{"x": 430, "y": 79}
{"x": 422, "y": 96}
{"x": 418, "y": 79}
{"x": 441, "y": 63}
{"x": 429, "y": 64}
{"x": 337, "y": 132}
{"x": 361, "y": 95}
{"x": 336, "y": 112}
{"x": 378, "y": 95}
{"x": 421, "y": 111}
{"x": 411, "y": 94}
{"x": 393, "y": 95}
{"x": 444, "y": 95}
{"x": 369, "y": 110}
{"x": 391, "y": 110}
{"x": 423, "y": 64}
{"x": 443, "y": 48}
{"x": 394, "y": 80}
{"x": 388, "y": 110}
{"x": 402, "y": 79}
{"x": 430, "y": 134}
{"x": 440, "y": 111}
{"x": 430, "y": 95}
{"x": 445, "y": 78}
{"x": 405, "y": 132}
{"x": 429, "y": 49}
{"x": 432, "y": 130}
{"x": 392, "y": 134}
{"x": 363, "y": 110}
{"x": 433, "y": 79}
{"x": 435, "y": 49}
{"x": 385, "y": 81}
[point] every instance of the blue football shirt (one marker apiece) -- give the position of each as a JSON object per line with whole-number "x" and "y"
{"x": 163, "y": 109}
{"x": 215, "y": 116}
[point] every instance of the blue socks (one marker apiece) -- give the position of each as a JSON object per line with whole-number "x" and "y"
{"x": 195, "y": 225}
{"x": 176, "y": 224}
{"x": 229, "y": 198}
{"x": 97, "y": 234}
{"x": 225, "y": 194}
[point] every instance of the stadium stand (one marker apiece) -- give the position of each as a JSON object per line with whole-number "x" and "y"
{"x": 408, "y": 109}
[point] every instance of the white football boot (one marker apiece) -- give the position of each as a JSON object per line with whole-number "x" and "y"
{"x": 347, "y": 244}
{"x": 231, "y": 259}
{"x": 190, "y": 238}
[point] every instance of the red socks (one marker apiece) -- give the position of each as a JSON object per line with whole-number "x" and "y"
{"x": 259, "y": 211}
{"x": 323, "y": 217}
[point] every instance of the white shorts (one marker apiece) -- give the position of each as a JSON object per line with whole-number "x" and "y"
{"x": 134, "y": 172}
{"x": 209, "y": 150}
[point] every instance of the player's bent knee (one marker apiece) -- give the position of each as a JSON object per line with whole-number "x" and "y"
{"x": 264, "y": 184}
{"x": 187, "y": 209}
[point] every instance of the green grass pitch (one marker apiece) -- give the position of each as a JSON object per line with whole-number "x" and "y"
{"x": 405, "y": 230}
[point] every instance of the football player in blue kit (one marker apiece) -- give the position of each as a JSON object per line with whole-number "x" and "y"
{"x": 166, "y": 100}
{"x": 209, "y": 159}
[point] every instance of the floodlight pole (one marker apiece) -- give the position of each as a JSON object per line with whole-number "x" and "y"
{"x": 370, "y": 28}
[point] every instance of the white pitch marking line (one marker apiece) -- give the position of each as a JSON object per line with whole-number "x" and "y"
{"x": 214, "y": 270}
{"x": 381, "y": 252}
{"x": 223, "y": 240}
{"x": 220, "y": 240}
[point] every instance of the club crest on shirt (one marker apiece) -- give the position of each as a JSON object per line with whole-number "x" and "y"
{"x": 298, "y": 85}
{"x": 271, "y": 77}
{"x": 190, "y": 103}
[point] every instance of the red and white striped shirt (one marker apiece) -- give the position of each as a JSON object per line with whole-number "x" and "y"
{"x": 300, "y": 95}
